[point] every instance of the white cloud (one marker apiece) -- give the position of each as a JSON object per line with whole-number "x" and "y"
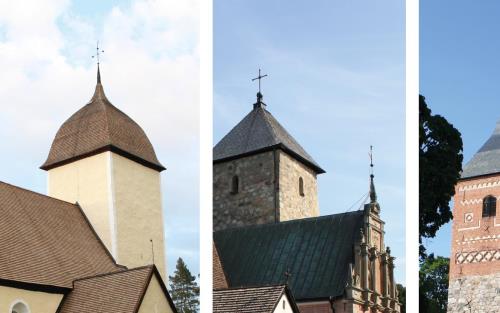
{"x": 149, "y": 70}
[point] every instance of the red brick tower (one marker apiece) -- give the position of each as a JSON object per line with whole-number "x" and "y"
{"x": 475, "y": 248}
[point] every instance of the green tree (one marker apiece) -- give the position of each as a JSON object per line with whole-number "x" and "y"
{"x": 434, "y": 284}
{"x": 401, "y": 296}
{"x": 440, "y": 158}
{"x": 184, "y": 289}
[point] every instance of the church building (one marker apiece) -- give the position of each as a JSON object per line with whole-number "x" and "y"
{"x": 475, "y": 248}
{"x": 95, "y": 243}
{"x": 268, "y": 230}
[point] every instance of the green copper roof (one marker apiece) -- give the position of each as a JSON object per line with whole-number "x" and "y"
{"x": 312, "y": 254}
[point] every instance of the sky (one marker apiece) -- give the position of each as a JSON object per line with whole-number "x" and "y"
{"x": 336, "y": 83}
{"x": 460, "y": 75}
{"x": 150, "y": 70}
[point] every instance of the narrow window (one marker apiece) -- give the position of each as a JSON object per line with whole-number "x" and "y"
{"x": 489, "y": 206}
{"x": 235, "y": 185}
{"x": 301, "y": 186}
{"x": 283, "y": 304}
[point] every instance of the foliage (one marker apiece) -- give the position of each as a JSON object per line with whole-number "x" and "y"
{"x": 433, "y": 284}
{"x": 440, "y": 158}
{"x": 401, "y": 296}
{"x": 184, "y": 289}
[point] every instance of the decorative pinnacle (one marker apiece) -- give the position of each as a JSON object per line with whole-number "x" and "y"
{"x": 373, "y": 194}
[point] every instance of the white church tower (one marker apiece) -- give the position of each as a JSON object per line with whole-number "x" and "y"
{"x": 103, "y": 160}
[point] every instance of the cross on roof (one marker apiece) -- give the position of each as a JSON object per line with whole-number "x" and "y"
{"x": 287, "y": 276}
{"x": 98, "y": 53}
{"x": 259, "y": 78}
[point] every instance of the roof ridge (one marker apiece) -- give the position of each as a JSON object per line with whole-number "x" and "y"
{"x": 251, "y": 287}
{"x": 150, "y": 266}
{"x": 293, "y": 221}
{"x": 36, "y": 193}
{"x": 269, "y": 125}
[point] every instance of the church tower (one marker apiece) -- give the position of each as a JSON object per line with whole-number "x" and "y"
{"x": 103, "y": 160}
{"x": 261, "y": 174}
{"x": 475, "y": 247}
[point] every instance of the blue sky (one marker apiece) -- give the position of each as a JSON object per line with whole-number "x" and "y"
{"x": 460, "y": 74}
{"x": 150, "y": 70}
{"x": 336, "y": 82}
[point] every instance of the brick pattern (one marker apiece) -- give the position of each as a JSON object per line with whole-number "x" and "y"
{"x": 475, "y": 263}
{"x": 475, "y": 239}
{"x": 255, "y": 201}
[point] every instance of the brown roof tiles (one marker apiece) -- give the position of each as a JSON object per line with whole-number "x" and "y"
{"x": 47, "y": 241}
{"x": 250, "y": 299}
{"x": 97, "y": 127}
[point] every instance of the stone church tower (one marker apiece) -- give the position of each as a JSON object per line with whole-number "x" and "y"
{"x": 261, "y": 174}
{"x": 475, "y": 249}
{"x": 103, "y": 160}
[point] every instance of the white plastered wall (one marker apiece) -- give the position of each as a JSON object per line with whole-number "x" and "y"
{"x": 122, "y": 200}
{"x": 154, "y": 300}
{"x": 35, "y": 301}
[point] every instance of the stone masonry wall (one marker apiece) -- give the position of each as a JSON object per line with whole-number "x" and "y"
{"x": 477, "y": 294}
{"x": 292, "y": 205}
{"x": 255, "y": 201}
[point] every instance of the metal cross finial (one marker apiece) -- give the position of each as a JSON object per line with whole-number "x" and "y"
{"x": 287, "y": 276}
{"x": 259, "y": 78}
{"x": 98, "y": 53}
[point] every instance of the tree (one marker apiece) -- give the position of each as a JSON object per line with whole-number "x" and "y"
{"x": 434, "y": 284}
{"x": 401, "y": 296}
{"x": 184, "y": 289}
{"x": 440, "y": 159}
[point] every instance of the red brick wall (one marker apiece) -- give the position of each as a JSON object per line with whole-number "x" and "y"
{"x": 475, "y": 240}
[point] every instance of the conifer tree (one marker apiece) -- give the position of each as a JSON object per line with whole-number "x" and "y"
{"x": 184, "y": 289}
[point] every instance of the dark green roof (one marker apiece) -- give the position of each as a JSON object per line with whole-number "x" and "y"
{"x": 315, "y": 251}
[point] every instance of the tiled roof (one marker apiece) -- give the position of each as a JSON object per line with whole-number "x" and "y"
{"x": 47, "y": 241}
{"x": 111, "y": 293}
{"x": 316, "y": 252}
{"x": 219, "y": 277}
{"x": 248, "y": 300}
{"x": 99, "y": 126}
{"x": 260, "y": 131}
{"x": 487, "y": 159}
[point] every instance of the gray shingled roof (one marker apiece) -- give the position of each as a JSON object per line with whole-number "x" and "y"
{"x": 487, "y": 159}
{"x": 315, "y": 251}
{"x": 250, "y": 300}
{"x": 260, "y": 131}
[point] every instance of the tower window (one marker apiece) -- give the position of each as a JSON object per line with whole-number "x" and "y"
{"x": 235, "y": 185}
{"x": 489, "y": 206}
{"x": 301, "y": 186}
{"x": 20, "y": 308}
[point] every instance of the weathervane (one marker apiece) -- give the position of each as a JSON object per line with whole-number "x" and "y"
{"x": 98, "y": 53}
{"x": 371, "y": 161}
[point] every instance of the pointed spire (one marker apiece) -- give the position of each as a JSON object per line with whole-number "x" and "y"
{"x": 98, "y": 74}
{"x": 373, "y": 193}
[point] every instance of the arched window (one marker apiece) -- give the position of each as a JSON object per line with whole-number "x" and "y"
{"x": 489, "y": 206}
{"x": 19, "y": 307}
{"x": 301, "y": 186}
{"x": 235, "y": 185}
